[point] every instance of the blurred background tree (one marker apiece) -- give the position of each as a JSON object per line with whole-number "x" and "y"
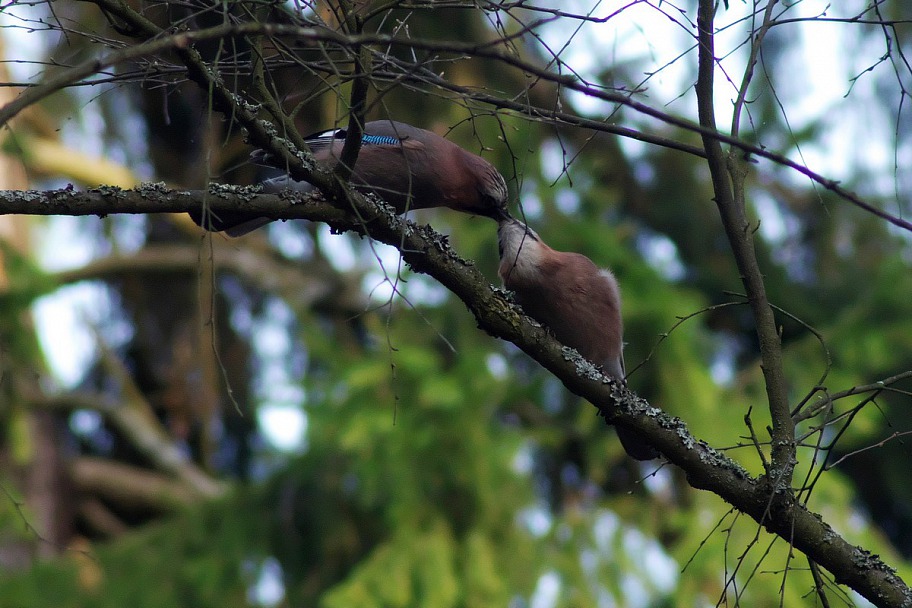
{"x": 295, "y": 419}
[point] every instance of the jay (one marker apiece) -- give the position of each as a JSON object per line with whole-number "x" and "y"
{"x": 408, "y": 167}
{"x": 577, "y": 300}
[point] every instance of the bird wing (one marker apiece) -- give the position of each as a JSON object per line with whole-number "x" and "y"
{"x": 376, "y": 133}
{"x": 323, "y": 139}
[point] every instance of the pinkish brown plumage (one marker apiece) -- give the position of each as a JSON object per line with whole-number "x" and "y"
{"x": 578, "y": 301}
{"x": 408, "y": 167}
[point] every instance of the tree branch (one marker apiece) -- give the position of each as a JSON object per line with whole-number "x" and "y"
{"x": 139, "y": 425}
{"x": 728, "y": 185}
{"x": 130, "y": 487}
{"x": 304, "y": 284}
{"x": 263, "y": 136}
{"x": 427, "y": 252}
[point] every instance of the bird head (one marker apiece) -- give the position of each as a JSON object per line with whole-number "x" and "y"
{"x": 519, "y": 245}
{"x": 494, "y": 195}
{"x": 481, "y": 188}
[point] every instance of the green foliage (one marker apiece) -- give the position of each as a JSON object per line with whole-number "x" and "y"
{"x": 194, "y": 560}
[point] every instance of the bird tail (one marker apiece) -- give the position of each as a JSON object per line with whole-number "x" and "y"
{"x": 635, "y": 446}
{"x": 248, "y": 226}
{"x": 283, "y": 182}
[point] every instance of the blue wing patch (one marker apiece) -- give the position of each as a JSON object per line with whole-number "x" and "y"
{"x": 380, "y": 140}
{"x": 325, "y": 137}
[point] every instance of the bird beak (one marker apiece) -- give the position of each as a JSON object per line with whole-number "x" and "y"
{"x": 500, "y": 214}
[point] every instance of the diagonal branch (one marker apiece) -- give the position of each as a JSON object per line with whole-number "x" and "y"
{"x": 134, "y": 419}
{"x": 427, "y": 252}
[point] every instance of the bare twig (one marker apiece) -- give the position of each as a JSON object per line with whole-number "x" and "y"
{"x": 727, "y": 178}
{"x": 753, "y": 436}
{"x": 880, "y": 385}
